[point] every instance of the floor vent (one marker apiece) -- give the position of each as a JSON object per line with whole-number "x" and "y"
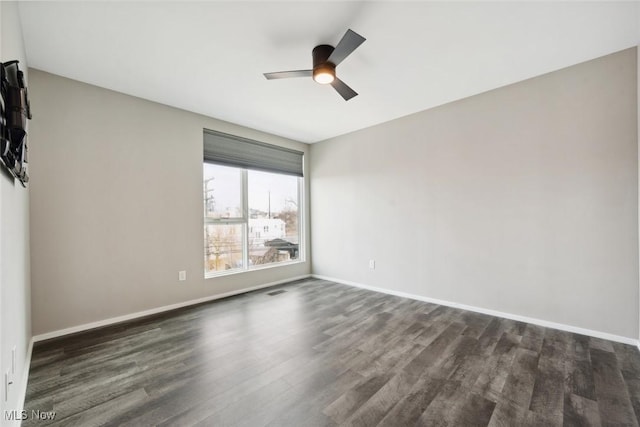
{"x": 281, "y": 291}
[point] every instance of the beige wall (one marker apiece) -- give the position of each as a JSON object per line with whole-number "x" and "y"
{"x": 15, "y": 307}
{"x": 116, "y": 205}
{"x": 522, "y": 200}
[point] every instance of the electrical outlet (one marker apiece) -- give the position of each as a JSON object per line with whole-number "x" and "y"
{"x": 182, "y": 275}
{"x": 372, "y": 264}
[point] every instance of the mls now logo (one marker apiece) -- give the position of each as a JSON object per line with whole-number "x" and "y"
{"x": 15, "y": 415}
{"x": 42, "y": 415}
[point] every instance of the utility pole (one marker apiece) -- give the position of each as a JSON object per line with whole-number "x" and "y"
{"x": 208, "y": 195}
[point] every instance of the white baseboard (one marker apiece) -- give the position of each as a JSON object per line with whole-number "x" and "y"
{"x": 113, "y": 320}
{"x": 25, "y": 378}
{"x": 539, "y": 322}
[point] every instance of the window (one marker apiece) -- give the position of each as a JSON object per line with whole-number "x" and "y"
{"x": 252, "y": 218}
{"x": 224, "y": 218}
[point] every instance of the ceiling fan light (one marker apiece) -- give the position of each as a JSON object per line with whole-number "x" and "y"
{"x": 324, "y": 74}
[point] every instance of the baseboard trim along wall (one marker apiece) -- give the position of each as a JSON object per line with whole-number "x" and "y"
{"x": 22, "y": 390}
{"x": 124, "y": 318}
{"x": 539, "y": 322}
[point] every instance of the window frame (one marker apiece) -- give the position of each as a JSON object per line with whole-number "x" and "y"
{"x": 244, "y": 221}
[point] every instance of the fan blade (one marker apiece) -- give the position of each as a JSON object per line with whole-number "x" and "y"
{"x": 345, "y": 91}
{"x": 350, "y": 41}
{"x": 288, "y": 74}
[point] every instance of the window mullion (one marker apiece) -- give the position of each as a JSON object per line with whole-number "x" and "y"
{"x": 245, "y": 216}
{"x": 224, "y": 221}
{"x": 301, "y": 225}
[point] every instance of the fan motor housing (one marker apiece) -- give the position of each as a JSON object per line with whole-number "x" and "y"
{"x": 320, "y": 55}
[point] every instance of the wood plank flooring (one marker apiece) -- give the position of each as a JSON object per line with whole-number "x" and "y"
{"x": 324, "y": 354}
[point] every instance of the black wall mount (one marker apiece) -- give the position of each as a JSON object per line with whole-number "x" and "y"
{"x": 14, "y": 112}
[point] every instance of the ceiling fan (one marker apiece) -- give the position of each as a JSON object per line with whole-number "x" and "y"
{"x": 325, "y": 60}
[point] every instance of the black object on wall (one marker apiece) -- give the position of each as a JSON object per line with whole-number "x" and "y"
{"x": 15, "y": 110}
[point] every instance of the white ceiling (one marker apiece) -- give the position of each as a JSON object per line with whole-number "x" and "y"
{"x": 208, "y": 57}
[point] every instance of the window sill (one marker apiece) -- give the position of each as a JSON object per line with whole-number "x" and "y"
{"x": 250, "y": 269}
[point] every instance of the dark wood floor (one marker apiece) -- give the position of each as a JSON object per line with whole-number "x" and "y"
{"x": 315, "y": 353}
